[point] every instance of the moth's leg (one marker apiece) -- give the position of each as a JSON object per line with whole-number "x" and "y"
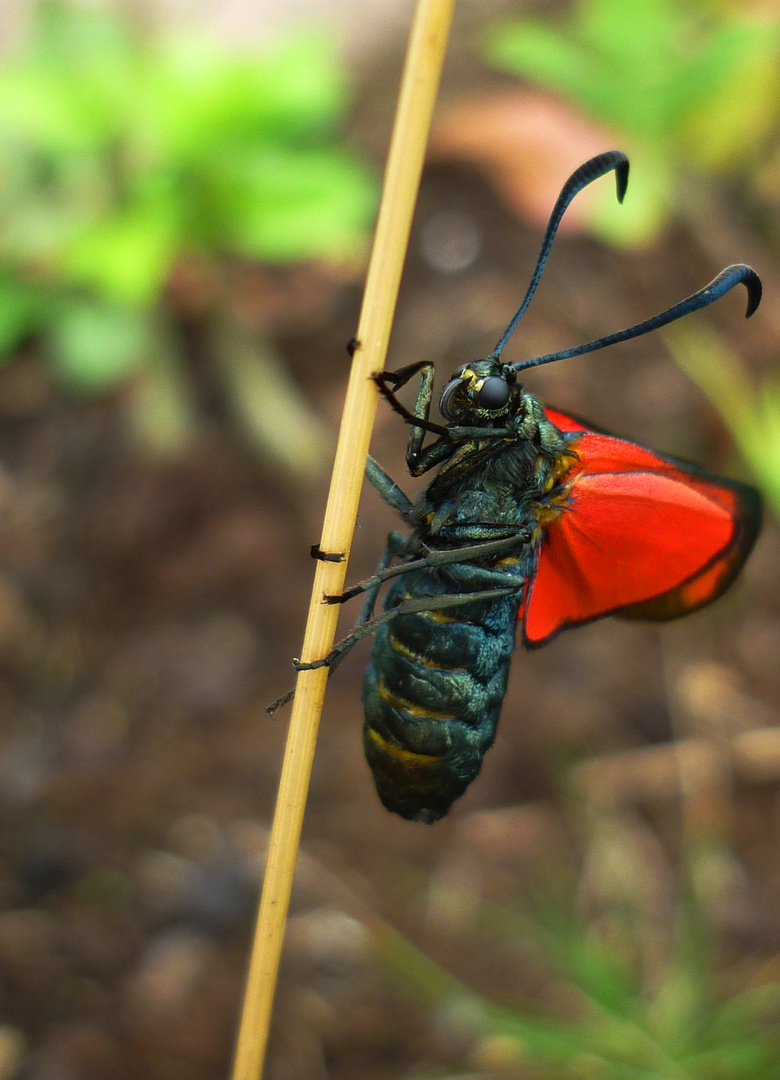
{"x": 387, "y": 488}
{"x": 280, "y": 702}
{"x": 316, "y": 552}
{"x": 390, "y": 381}
{"x": 421, "y": 412}
{"x": 396, "y": 546}
{"x": 390, "y": 492}
{"x": 503, "y": 546}
{"x": 418, "y": 460}
{"x": 407, "y": 607}
{"x": 468, "y": 576}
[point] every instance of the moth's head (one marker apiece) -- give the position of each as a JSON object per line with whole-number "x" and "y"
{"x": 479, "y": 392}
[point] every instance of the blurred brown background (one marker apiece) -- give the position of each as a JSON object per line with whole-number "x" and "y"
{"x": 614, "y": 870}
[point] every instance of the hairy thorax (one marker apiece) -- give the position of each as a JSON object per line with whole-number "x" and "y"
{"x": 498, "y": 481}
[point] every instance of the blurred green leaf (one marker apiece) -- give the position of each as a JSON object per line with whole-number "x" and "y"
{"x": 687, "y": 83}
{"x": 196, "y": 96}
{"x": 752, "y": 417}
{"x": 22, "y": 309}
{"x": 90, "y": 36}
{"x": 728, "y": 123}
{"x": 602, "y": 977}
{"x": 277, "y": 205}
{"x": 93, "y": 346}
{"x": 119, "y": 156}
{"x": 645, "y": 70}
{"x": 126, "y": 257}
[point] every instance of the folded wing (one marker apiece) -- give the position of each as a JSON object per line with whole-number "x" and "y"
{"x": 638, "y": 534}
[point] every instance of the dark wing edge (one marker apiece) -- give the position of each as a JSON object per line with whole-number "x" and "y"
{"x": 604, "y": 454}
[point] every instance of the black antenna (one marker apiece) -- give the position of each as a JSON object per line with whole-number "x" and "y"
{"x": 738, "y": 274}
{"x": 586, "y": 174}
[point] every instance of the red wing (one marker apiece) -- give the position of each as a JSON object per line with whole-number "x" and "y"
{"x": 565, "y": 421}
{"x": 637, "y": 534}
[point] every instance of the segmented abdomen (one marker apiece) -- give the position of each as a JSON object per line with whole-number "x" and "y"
{"x": 432, "y": 695}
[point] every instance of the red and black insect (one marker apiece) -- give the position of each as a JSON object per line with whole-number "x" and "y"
{"x": 531, "y": 515}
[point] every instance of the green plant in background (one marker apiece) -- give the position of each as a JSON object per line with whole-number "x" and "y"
{"x": 689, "y": 86}
{"x": 642, "y": 1015}
{"x": 691, "y": 90}
{"x": 122, "y": 156}
{"x": 752, "y": 416}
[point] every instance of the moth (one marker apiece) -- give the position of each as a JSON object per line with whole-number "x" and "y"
{"x": 532, "y": 519}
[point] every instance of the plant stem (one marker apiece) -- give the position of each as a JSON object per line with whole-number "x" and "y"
{"x": 160, "y": 406}
{"x": 753, "y": 418}
{"x": 422, "y": 72}
{"x": 265, "y": 400}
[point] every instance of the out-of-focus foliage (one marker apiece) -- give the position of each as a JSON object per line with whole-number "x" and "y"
{"x": 638, "y": 1019}
{"x": 687, "y": 86}
{"x": 691, "y": 90}
{"x": 121, "y": 155}
{"x": 752, "y": 416}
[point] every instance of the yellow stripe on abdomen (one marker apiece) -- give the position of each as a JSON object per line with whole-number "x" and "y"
{"x": 438, "y": 616}
{"x": 408, "y": 757}
{"x": 410, "y": 654}
{"x": 410, "y": 706}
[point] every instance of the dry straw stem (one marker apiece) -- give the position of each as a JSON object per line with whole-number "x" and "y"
{"x": 422, "y": 72}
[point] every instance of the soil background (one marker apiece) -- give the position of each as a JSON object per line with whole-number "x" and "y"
{"x": 149, "y": 611}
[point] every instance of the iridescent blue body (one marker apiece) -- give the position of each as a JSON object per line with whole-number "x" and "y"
{"x": 433, "y": 692}
{"x": 432, "y": 696}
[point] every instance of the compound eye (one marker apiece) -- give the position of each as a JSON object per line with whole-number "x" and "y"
{"x": 493, "y": 394}
{"x": 448, "y": 401}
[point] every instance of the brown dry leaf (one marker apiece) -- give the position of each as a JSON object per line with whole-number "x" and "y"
{"x": 527, "y": 143}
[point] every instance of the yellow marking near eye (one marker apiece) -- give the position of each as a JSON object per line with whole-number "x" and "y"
{"x": 398, "y": 752}
{"x": 410, "y": 706}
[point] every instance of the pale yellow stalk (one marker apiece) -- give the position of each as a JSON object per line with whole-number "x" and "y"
{"x": 422, "y": 72}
